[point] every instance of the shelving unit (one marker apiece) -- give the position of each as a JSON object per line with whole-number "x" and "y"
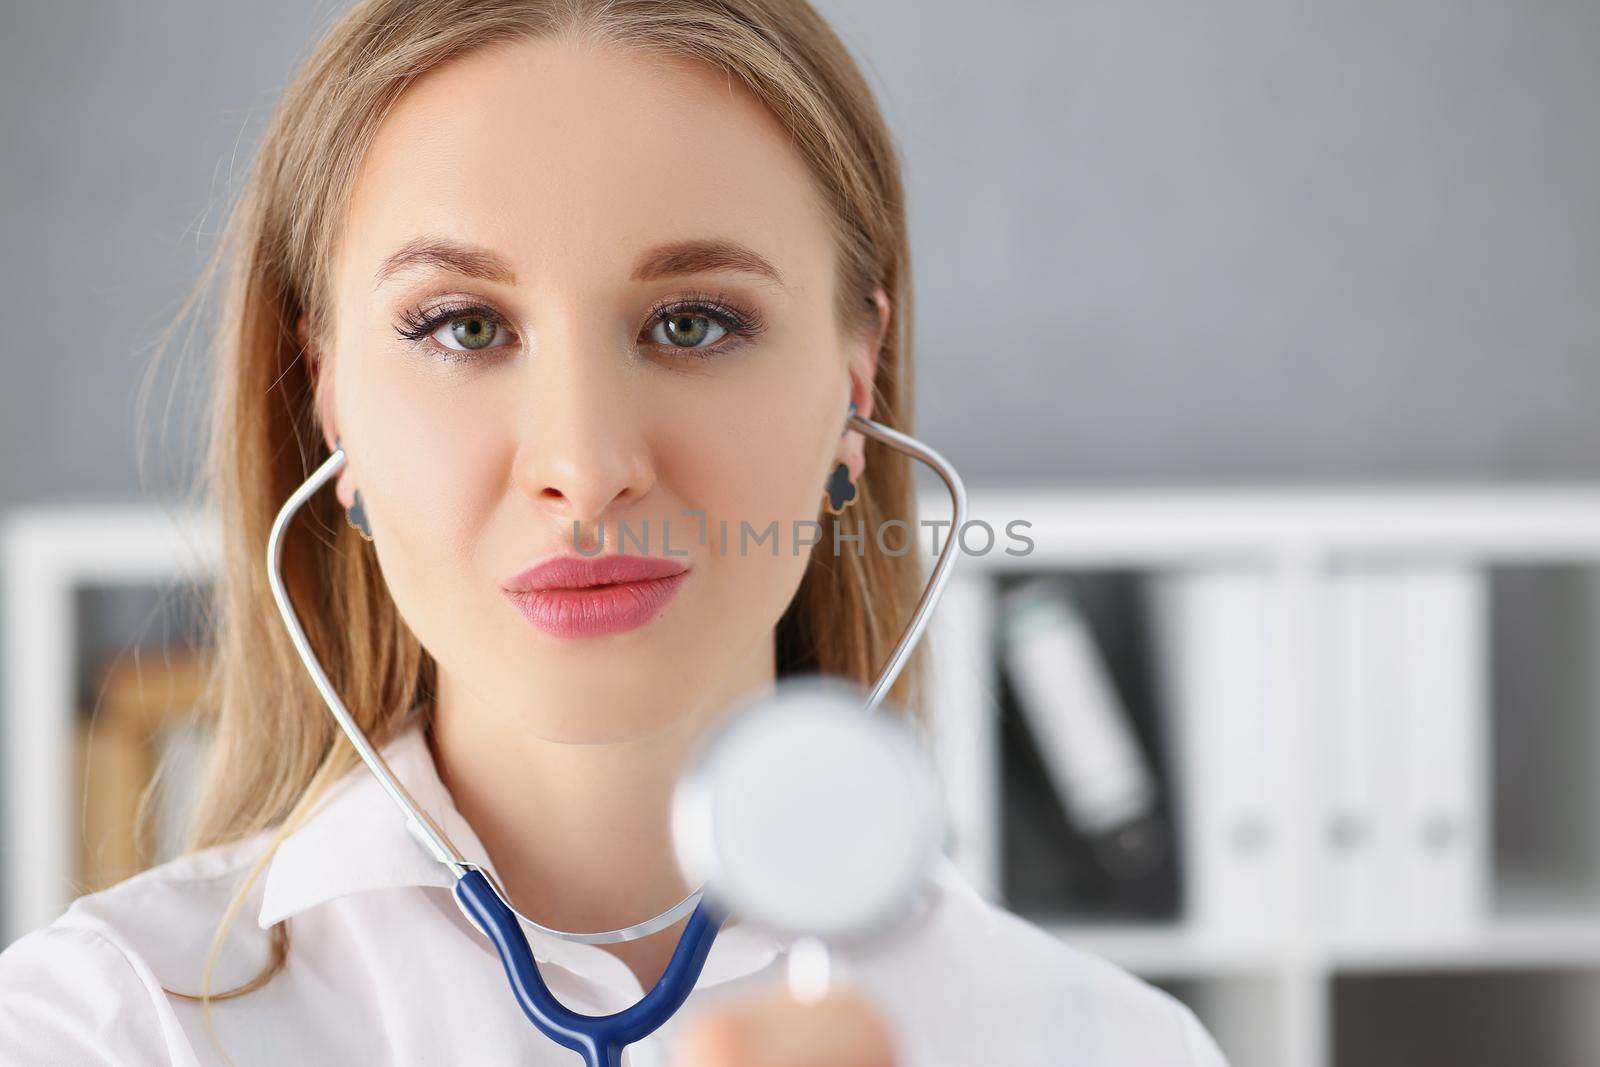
{"x": 1294, "y": 995}
{"x": 52, "y": 557}
{"x": 1299, "y": 994}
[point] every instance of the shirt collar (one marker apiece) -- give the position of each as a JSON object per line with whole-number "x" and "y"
{"x": 355, "y": 841}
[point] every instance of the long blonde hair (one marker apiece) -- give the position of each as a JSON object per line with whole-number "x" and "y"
{"x": 276, "y": 748}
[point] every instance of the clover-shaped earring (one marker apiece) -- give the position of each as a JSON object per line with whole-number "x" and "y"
{"x": 356, "y": 514}
{"x": 841, "y": 487}
{"x": 842, "y": 491}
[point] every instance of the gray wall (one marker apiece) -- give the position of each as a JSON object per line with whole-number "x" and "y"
{"x": 1155, "y": 242}
{"x": 120, "y": 124}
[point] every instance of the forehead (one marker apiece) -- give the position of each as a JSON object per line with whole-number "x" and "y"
{"x": 566, "y": 159}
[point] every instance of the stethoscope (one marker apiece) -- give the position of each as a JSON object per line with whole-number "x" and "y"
{"x": 804, "y": 813}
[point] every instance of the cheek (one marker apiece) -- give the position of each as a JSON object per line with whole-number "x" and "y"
{"x": 762, "y": 461}
{"x": 761, "y": 455}
{"x": 426, "y": 472}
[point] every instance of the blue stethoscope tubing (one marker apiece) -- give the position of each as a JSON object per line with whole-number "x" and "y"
{"x": 599, "y": 1039}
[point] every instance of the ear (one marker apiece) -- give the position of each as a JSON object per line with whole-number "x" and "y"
{"x": 327, "y": 413}
{"x": 863, "y": 374}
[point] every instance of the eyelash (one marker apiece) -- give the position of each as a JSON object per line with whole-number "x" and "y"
{"x": 415, "y": 326}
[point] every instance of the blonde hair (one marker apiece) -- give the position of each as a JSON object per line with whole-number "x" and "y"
{"x": 277, "y": 749}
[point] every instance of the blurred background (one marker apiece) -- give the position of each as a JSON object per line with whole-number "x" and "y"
{"x": 1276, "y": 320}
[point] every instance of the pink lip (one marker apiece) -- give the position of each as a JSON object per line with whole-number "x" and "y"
{"x": 578, "y": 596}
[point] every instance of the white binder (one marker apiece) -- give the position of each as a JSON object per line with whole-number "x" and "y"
{"x": 1364, "y": 642}
{"x": 1406, "y": 731}
{"x": 963, "y": 706}
{"x": 1216, "y": 665}
{"x": 1442, "y": 793}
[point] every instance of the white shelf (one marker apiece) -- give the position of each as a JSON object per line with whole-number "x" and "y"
{"x": 1157, "y": 950}
{"x": 1528, "y": 945}
{"x": 49, "y": 555}
{"x": 1272, "y": 996}
{"x": 1165, "y": 951}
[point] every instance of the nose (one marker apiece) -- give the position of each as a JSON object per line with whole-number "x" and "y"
{"x": 584, "y": 454}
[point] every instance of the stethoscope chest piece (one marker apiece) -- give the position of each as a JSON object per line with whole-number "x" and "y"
{"x": 809, "y": 815}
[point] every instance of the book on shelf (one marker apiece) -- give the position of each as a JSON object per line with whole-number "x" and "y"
{"x": 143, "y": 745}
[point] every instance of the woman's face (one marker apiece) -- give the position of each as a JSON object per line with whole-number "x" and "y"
{"x": 581, "y": 285}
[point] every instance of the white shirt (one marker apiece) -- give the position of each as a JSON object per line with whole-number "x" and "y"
{"x": 384, "y": 968}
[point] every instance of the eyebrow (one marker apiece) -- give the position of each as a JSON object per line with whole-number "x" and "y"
{"x": 704, "y": 256}
{"x": 445, "y": 254}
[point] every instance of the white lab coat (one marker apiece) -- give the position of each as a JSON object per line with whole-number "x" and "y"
{"x": 384, "y": 968}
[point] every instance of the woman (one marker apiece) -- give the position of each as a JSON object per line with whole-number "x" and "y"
{"x": 544, "y": 267}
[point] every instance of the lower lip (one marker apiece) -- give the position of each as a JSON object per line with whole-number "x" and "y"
{"x": 597, "y": 610}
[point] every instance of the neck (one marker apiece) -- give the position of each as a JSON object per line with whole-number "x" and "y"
{"x": 580, "y": 834}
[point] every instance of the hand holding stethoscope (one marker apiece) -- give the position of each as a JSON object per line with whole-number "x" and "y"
{"x": 806, "y": 813}
{"x": 779, "y": 1031}
{"x": 802, "y": 865}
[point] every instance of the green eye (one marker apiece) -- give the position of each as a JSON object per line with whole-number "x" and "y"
{"x": 469, "y": 333}
{"x": 687, "y": 331}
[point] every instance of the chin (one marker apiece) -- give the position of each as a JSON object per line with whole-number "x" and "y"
{"x": 599, "y": 705}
